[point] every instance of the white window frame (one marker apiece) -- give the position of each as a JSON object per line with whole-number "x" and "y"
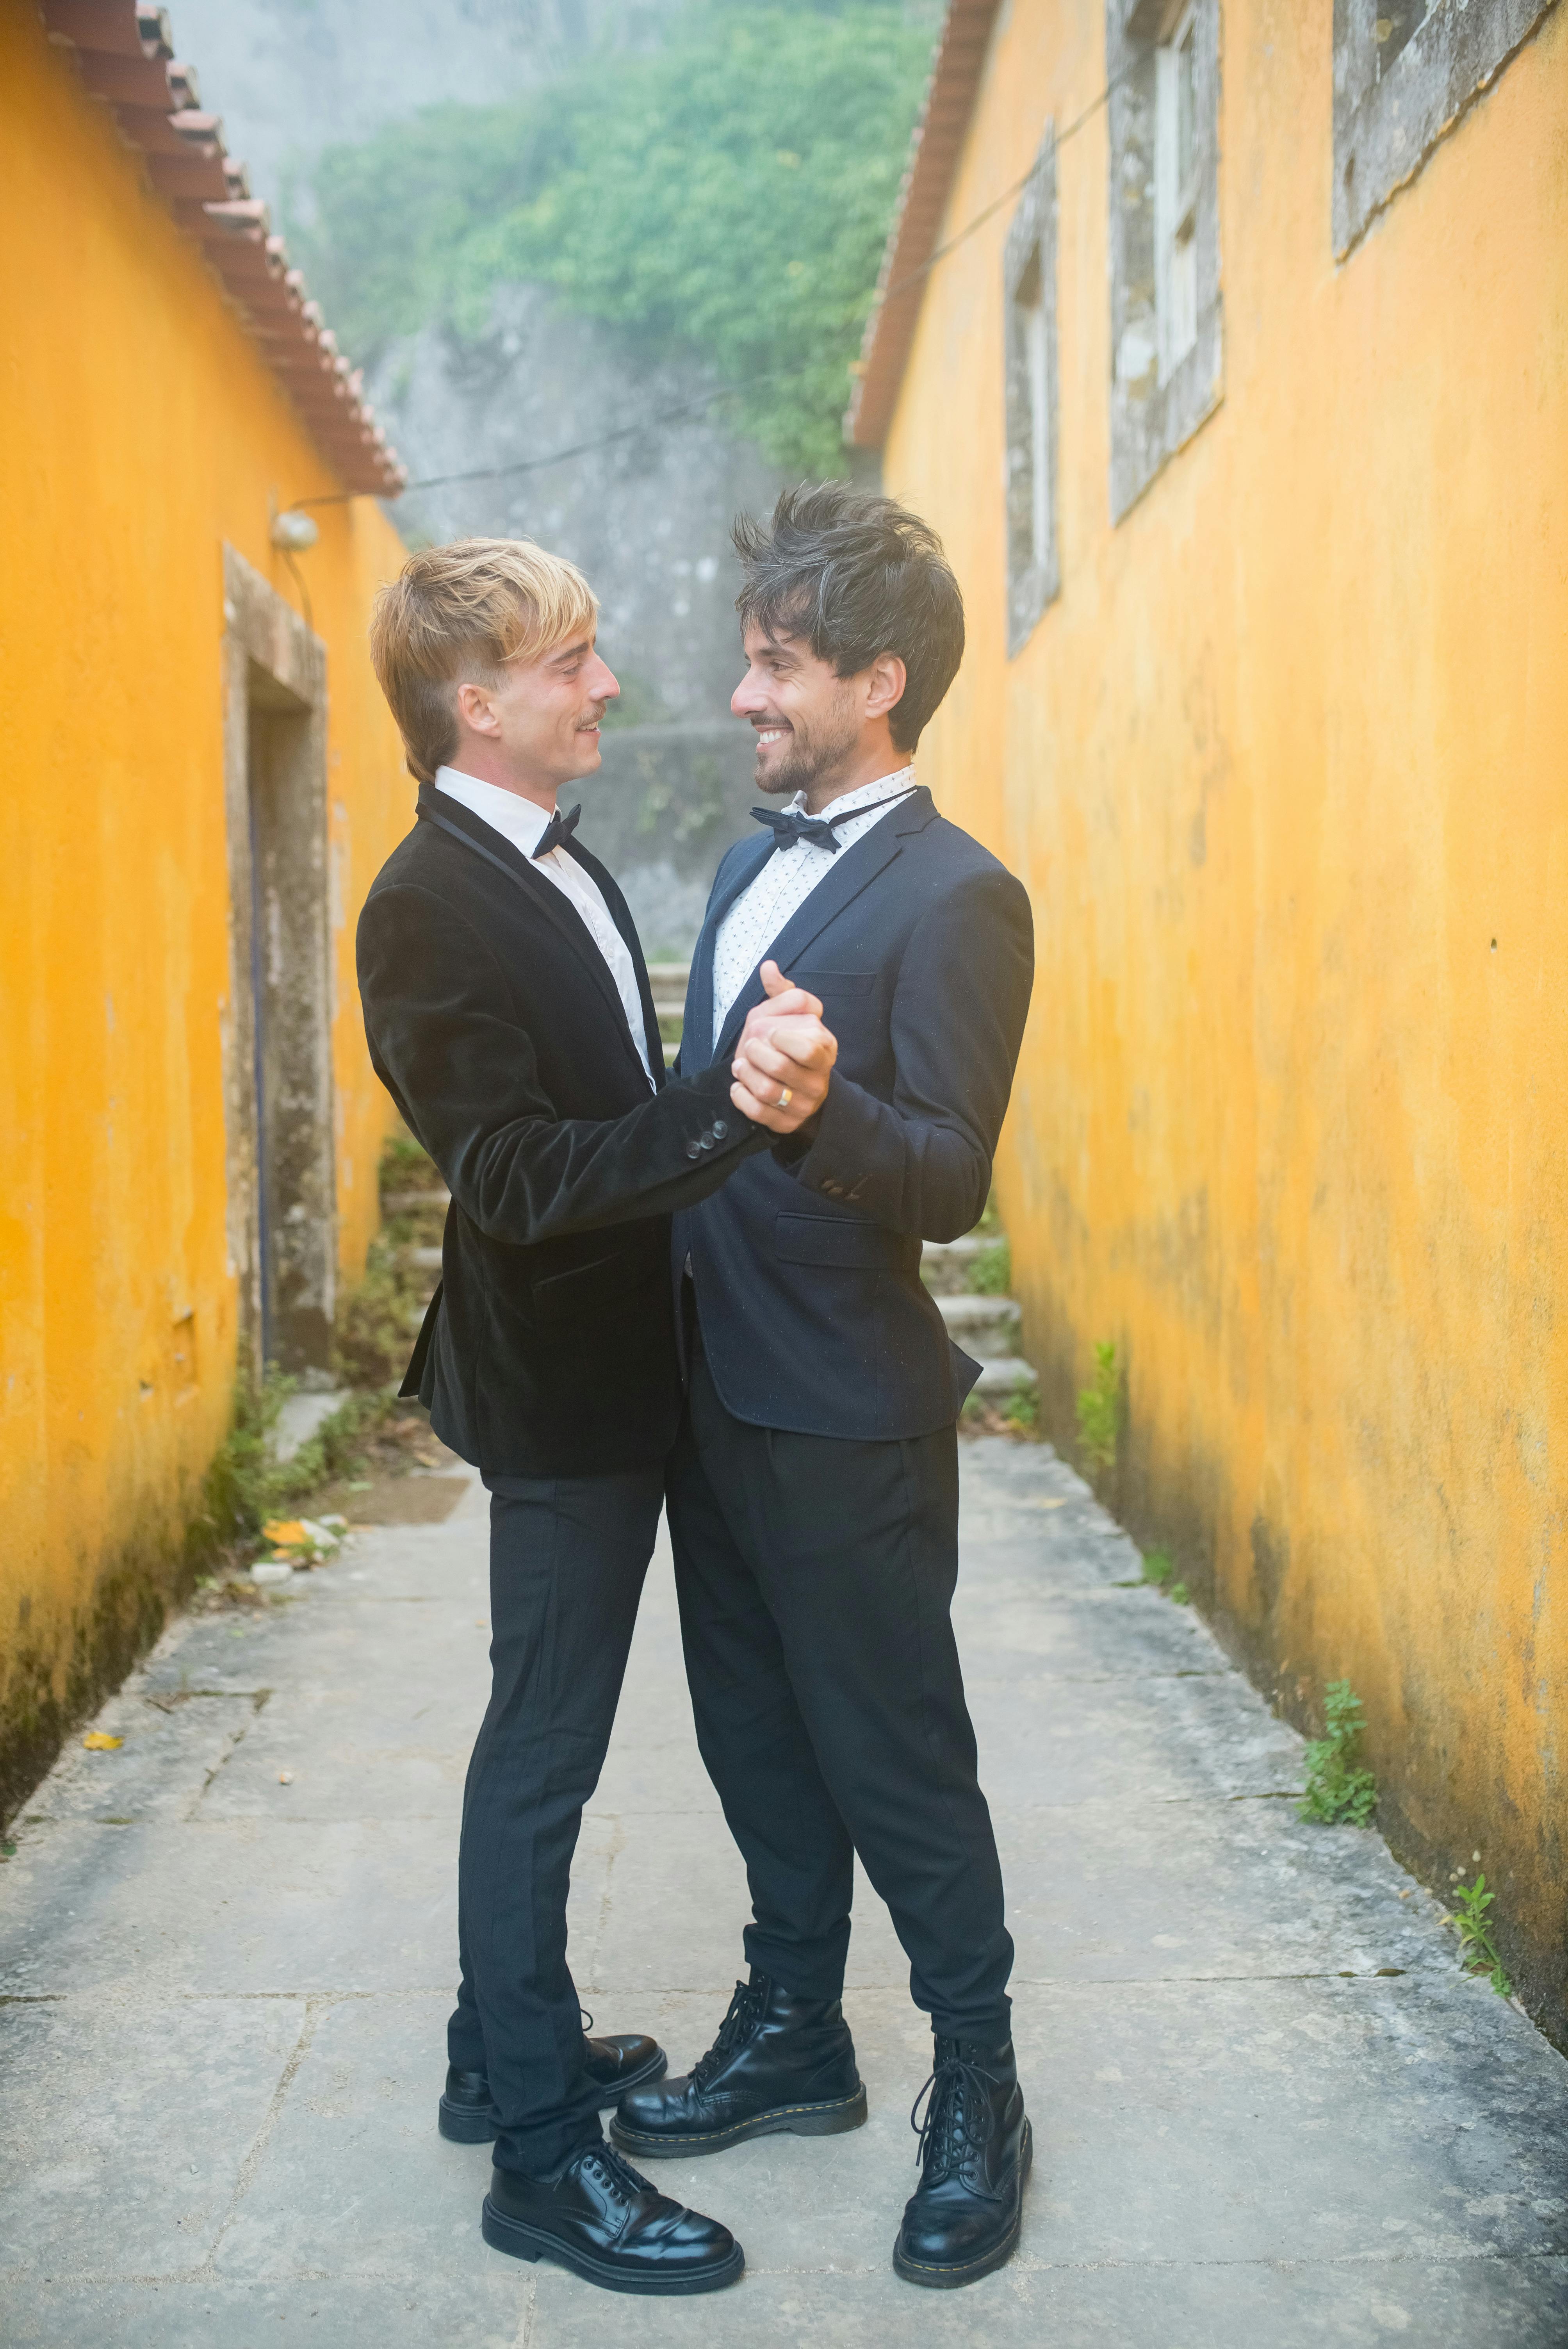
{"x": 1029, "y": 311}
{"x": 1177, "y": 186}
{"x": 1167, "y": 308}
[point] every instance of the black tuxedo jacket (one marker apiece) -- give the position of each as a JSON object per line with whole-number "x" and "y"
{"x": 495, "y": 1025}
{"x": 806, "y": 1263}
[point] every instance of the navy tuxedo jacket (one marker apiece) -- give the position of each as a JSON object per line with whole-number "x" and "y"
{"x": 807, "y": 1263}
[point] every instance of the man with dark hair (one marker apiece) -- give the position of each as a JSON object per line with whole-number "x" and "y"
{"x": 813, "y": 1492}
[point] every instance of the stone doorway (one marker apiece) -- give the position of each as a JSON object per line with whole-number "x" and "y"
{"x": 283, "y": 1216}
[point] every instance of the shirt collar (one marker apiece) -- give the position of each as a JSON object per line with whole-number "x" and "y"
{"x": 885, "y": 786}
{"x": 521, "y": 821}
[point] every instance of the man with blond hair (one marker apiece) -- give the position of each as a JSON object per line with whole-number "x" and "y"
{"x": 508, "y": 1014}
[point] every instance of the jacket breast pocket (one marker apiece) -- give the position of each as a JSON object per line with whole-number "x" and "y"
{"x": 835, "y": 982}
{"x": 839, "y": 1242}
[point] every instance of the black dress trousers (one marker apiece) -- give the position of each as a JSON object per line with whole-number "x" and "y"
{"x": 568, "y": 1556}
{"x": 815, "y": 1575}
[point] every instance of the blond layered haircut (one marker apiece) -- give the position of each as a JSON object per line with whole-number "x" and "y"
{"x": 459, "y": 615}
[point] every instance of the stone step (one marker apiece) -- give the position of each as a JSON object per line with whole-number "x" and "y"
{"x": 299, "y": 1419}
{"x": 415, "y": 1203}
{"x": 948, "y": 1266}
{"x": 1006, "y": 1374}
{"x": 668, "y": 982}
{"x": 982, "y": 1325}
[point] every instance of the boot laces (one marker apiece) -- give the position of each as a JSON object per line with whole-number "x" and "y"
{"x": 745, "y": 2014}
{"x": 959, "y": 2114}
{"x": 616, "y": 2172}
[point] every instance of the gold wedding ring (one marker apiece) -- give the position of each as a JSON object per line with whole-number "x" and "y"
{"x": 785, "y": 1097}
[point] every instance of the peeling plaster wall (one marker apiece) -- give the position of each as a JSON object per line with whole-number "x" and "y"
{"x": 153, "y": 434}
{"x": 1283, "y": 769}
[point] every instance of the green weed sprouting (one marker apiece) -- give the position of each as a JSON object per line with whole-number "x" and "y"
{"x": 1022, "y": 1410}
{"x": 246, "y": 1485}
{"x": 993, "y": 1273}
{"x": 1477, "y": 1951}
{"x": 1339, "y": 1792}
{"x": 1159, "y": 1567}
{"x": 1100, "y": 1409}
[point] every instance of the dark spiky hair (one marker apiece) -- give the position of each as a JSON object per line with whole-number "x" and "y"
{"x": 855, "y": 576}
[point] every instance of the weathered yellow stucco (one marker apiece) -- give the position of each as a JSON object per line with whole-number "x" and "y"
{"x": 1285, "y": 768}
{"x": 143, "y": 430}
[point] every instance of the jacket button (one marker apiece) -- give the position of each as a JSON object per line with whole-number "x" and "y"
{"x": 707, "y": 1141}
{"x": 694, "y": 1149}
{"x": 719, "y": 1129}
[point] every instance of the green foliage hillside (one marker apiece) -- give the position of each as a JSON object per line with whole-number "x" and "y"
{"x": 729, "y": 193}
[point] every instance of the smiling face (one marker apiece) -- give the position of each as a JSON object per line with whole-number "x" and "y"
{"x": 806, "y": 718}
{"x": 536, "y": 727}
{"x": 817, "y": 732}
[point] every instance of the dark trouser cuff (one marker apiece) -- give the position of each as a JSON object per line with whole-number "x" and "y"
{"x": 544, "y": 2153}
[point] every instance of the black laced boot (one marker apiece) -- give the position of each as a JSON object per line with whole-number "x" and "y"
{"x": 615, "y": 2064}
{"x": 976, "y": 2146}
{"x": 779, "y": 2062}
{"x": 597, "y": 2216}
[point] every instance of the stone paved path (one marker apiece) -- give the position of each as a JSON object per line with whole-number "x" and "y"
{"x": 1268, "y": 2107}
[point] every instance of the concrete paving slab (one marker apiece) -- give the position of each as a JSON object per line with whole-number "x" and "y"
{"x": 1152, "y": 1736}
{"x": 1133, "y": 1891}
{"x": 1268, "y": 2105}
{"x": 1301, "y": 2306}
{"x": 125, "y": 2130}
{"x": 486, "y": 2308}
{"x": 251, "y": 1906}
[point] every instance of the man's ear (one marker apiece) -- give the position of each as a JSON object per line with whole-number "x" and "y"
{"x": 887, "y": 678}
{"x": 476, "y": 708}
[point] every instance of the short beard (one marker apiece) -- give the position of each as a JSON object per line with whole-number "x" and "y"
{"x": 809, "y": 759}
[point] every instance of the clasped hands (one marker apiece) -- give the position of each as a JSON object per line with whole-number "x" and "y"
{"x": 784, "y": 1058}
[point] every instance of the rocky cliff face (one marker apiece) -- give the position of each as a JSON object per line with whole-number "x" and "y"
{"x": 647, "y": 516}
{"x": 292, "y": 76}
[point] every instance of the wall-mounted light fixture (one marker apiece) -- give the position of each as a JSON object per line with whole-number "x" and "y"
{"x": 293, "y": 533}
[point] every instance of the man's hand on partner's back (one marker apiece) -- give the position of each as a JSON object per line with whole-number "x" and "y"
{"x": 784, "y": 1058}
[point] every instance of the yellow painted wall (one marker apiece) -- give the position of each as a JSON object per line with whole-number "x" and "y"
{"x": 1286, "y": 771}
{"x": 140, "y": 431}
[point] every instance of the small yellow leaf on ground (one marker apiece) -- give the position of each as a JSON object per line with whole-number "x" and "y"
{"x": 98, "y": 1741}
{"x": 284, "y": 1532}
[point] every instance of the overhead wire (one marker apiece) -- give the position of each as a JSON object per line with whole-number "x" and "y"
{"x": 748, "y": 383}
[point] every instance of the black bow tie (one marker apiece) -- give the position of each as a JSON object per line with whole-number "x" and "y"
{"x": 558, "y": 829}
{"x": 795, "y": 824}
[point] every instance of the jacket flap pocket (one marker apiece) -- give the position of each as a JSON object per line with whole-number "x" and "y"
{"x": 839, "y": 1240}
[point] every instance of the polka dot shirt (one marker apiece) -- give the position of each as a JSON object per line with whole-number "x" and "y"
{"x": 784, "y": 883}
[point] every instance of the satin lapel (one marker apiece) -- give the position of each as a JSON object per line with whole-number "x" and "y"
{"x": 854, "y": 868}
{"x": 621, "y": 915}
{"x": 697, "y": 1029}
{"x": 543, "y": 894}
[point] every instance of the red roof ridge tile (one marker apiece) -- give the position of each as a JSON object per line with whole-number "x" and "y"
{"x": 125, "y": 50}
{"x": 933, "y": 156}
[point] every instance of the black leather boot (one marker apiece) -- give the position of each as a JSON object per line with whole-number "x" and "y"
{"x": 779, "y": 2062}
{"x": 614, "y": 2064}
{"x": 975, "y": 2148}
{"x": 599, "y": 2219}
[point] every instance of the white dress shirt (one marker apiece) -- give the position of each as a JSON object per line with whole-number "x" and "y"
{"x": 522, "y": 822}
{"x": 784, "y": 883}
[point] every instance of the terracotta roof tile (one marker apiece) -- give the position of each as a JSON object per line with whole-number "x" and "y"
{"x": 126, "y": 53}
{"x": 928, "y": 178}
